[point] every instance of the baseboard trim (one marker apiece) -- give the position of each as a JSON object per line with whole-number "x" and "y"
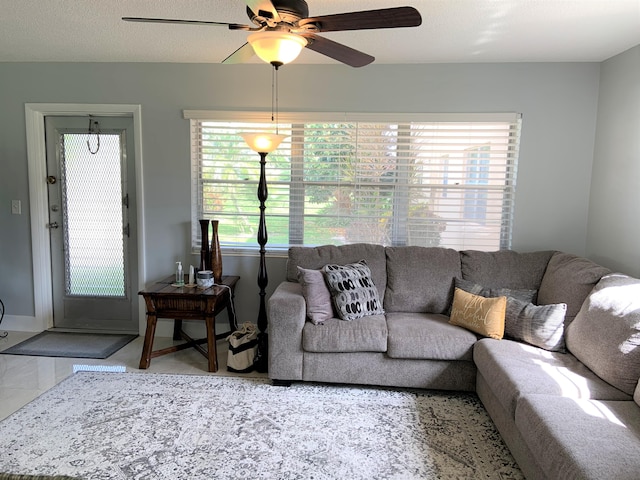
{"x": 22, "y": 323}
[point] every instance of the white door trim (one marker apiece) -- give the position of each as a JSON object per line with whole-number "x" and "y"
{"x": 38, "y": 200}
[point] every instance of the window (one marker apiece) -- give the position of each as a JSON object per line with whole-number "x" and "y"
{"x": 395, "y": 179}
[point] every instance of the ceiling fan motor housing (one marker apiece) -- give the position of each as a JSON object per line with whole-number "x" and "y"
{"x": 290, "y": 12}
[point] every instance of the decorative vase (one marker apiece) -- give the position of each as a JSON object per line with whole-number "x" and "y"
{"x": 216, "y": 254}
{"x": 205, "y": 258}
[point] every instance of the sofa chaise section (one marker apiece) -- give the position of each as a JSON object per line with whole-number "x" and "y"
{"x": 576, "y": 439}
{"x": 572, "y": 415}
{"x": 512, "y": 370}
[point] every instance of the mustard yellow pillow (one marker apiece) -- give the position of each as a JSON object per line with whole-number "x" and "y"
{"x": 479, "y": 314}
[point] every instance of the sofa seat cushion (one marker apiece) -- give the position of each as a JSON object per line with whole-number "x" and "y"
{"x": 514, "y": 369}
{"x": 366, "y": 334}
{"x": 428, "y": 336}
{"x": 420, "y": 279}
{"x": 581, "y": 439}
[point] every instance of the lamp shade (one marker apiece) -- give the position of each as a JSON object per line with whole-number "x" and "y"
{"x": 275, "y": 47}
{"x": 262, "y": 142}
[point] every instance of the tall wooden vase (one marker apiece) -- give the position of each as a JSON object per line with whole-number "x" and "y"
{"x": 205, "y": 256}
{"x": 216, "y": 254}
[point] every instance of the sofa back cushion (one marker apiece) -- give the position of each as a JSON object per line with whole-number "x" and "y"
{"x": 605, "y": 334}
{"x": 317, "y": 257}
{"x": 420, "y": 279}
{"x": 569, "y": 279}
{"x": 505, "y": 268}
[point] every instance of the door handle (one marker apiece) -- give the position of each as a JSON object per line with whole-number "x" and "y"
{"x": 53, "y": 225}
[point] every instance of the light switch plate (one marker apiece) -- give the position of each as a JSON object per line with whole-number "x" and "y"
{"x": 16, "y": 207}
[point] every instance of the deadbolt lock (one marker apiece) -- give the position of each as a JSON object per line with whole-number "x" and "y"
{"x": 51, "y": 179}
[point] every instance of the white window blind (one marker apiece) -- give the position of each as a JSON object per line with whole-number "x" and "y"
{"x": 394, "y": 179}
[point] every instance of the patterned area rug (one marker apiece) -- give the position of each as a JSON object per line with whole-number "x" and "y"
{"x": 98, "y": 425}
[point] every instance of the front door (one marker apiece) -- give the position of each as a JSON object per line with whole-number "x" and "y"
{"x": 92, "y": 222}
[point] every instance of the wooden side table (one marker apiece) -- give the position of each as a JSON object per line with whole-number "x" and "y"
{"x": 187, "y": 303}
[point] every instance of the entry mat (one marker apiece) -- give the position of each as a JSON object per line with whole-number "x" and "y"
{"x": 71, "y": 344}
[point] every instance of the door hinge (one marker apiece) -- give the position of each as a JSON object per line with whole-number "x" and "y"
{"x": 125, "y": 200}
{"x": 125, "y": 230}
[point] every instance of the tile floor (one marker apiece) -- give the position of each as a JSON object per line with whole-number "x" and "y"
{"x": 23, "y": 378}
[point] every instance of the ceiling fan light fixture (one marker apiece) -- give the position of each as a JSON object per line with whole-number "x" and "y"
{"x": 262, "y": 142}
{"x": 275, "y": 47}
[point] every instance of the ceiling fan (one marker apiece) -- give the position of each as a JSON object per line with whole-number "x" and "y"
{"x": 289, "y": 19}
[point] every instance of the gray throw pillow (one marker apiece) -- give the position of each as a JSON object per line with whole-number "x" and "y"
{"x": 538, "y": 325}
{"x": 605, "y": 334}
{"x": 316, "y": 295}
{"x": 352, "y": 290}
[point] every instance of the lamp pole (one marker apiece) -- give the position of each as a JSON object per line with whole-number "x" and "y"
{"x": 262, "y": 143}
{"x": 261, "y": 363}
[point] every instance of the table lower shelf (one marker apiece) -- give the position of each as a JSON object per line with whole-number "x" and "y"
{"x": 189, "y": 343}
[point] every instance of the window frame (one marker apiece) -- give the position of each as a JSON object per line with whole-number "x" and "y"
{"x": 400, "y": 204}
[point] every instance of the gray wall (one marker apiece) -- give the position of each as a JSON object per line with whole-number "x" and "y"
{"x": 614, "y": 212}
{"x": 558, "y": 102}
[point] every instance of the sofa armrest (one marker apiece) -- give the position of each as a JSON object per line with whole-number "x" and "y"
{"x": 286, "y": 310}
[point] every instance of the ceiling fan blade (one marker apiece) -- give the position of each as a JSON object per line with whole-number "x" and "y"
{"x": 383, "y": 18}
{"x": 241, "y": 55}
{"x": 263, "y": 8}
{"x": 337, "y": 51}
{"x": 232, "y": 26}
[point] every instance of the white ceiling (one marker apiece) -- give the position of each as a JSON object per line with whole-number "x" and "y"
{"x": 452, "y": 31}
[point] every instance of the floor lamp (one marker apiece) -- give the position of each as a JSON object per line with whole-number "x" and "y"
{"x": 263, "y": 144}
{"x": 276, "y": 48}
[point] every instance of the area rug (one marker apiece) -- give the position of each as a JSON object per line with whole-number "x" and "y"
{"x": 98, "y": 425}
{"x": 71, "y": 344}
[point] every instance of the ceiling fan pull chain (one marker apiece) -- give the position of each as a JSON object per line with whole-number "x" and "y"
{"x": 274, "y": 95}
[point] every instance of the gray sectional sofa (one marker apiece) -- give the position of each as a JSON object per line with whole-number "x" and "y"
{"x": 563, "y": 393}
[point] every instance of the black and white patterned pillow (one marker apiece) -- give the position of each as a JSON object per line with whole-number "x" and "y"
{"x": 353, "y": 292}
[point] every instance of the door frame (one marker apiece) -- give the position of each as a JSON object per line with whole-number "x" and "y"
{"x": 35, "y": 114}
